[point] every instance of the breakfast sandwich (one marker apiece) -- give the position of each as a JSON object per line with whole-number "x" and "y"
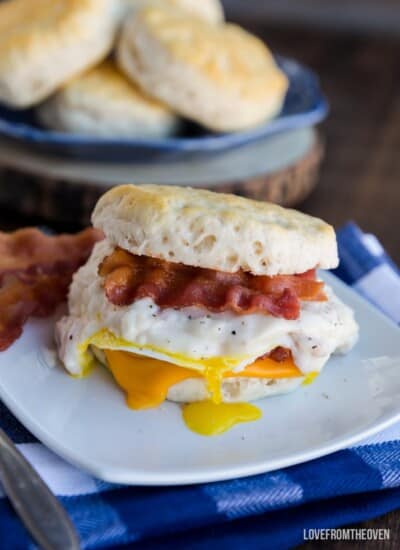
{"x": 103, "y": 102}
{"x": 219, "y": 76}
{"x": 204, "y": 298}
{"x": 44, "y": 43}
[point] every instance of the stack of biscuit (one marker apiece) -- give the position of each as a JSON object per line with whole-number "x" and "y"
{"x": 135, "y": 68}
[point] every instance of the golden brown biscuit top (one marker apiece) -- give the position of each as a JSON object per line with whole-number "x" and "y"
{"x": 214, "y": 230}
{"x": 225, "y": 54}
{"x": 23, "y": 22}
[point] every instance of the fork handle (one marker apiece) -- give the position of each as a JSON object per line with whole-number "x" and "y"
{"x": 37, "y": 507}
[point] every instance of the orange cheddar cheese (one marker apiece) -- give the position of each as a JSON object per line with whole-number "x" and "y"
{"x": 146, "y": 381}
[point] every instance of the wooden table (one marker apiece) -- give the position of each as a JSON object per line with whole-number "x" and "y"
{"x": 361, "y": 173}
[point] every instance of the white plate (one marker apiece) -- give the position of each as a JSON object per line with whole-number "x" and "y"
{"x": 87, "y": 423}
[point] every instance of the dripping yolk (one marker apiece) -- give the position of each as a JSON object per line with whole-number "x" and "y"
{"x": 209, "y": 418}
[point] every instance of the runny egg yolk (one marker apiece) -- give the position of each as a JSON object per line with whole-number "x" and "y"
{"x": 309, "y": 378}
{"x": 146, "y": 382}
{"x": 209, "y": 418}
{"x": 105, "y": 339}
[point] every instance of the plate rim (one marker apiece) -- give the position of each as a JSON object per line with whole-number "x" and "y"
{"x": 145, "y": 479}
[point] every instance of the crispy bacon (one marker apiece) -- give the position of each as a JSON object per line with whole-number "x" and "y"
{"x": 128, "y": 278}
{"x": 278, "y": 354}
{"x": 35, "y": 273}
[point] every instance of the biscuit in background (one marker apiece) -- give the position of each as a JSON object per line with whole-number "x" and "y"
{"x": 217, "y": 75}
{"x": 102, "y": 102}
{"x": 209, "y": 10}
{"x": 44, "y": 43}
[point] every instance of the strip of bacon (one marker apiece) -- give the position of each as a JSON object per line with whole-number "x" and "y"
{"x": 35, "y": 273}
{"x": 278, "y": 354}
{"x": 128, "y": 278}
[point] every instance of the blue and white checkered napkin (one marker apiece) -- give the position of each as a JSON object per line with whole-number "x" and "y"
{"x": 265, "y": 511}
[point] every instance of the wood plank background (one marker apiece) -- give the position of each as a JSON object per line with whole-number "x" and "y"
{"x": 379, "y": 16}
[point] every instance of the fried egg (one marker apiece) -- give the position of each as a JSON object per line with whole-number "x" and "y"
{"x": 149, "y": 349}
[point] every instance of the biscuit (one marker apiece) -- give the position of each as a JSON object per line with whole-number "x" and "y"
{"x": 233, "y": 390}
{"x": 217, "y": 75}
{"x": 209, "y": 10}
{"x": 214, "y": 230}
{"x": 102, "y": 102}
{"x": 44, "y": 43}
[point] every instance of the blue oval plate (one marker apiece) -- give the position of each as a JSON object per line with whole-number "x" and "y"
{"x": 304, "y": 105}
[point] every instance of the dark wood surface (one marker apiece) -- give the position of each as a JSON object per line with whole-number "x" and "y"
{"x": 378, "y": 16}
{"x": 388, "y": 521}
{"x": 360, "y": 177}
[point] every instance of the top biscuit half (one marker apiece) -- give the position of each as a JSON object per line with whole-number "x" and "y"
{"x": 44, "y": 43}
{"x": 217, "y": 75}
{"x": 214, "y": 230}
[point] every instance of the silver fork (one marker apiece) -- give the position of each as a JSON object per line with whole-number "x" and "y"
{"x": 37, "y": 507}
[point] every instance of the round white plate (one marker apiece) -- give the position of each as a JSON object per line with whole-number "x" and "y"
{"x": 87, "y": 423}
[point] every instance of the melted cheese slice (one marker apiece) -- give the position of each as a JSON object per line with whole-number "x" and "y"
{"x": 146, "y": 381}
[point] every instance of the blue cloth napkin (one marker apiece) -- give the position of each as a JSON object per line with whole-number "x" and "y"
{"x": 264, "y": 511}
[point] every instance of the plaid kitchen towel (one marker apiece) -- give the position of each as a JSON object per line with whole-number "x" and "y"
{"x": 263, "y": 511}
